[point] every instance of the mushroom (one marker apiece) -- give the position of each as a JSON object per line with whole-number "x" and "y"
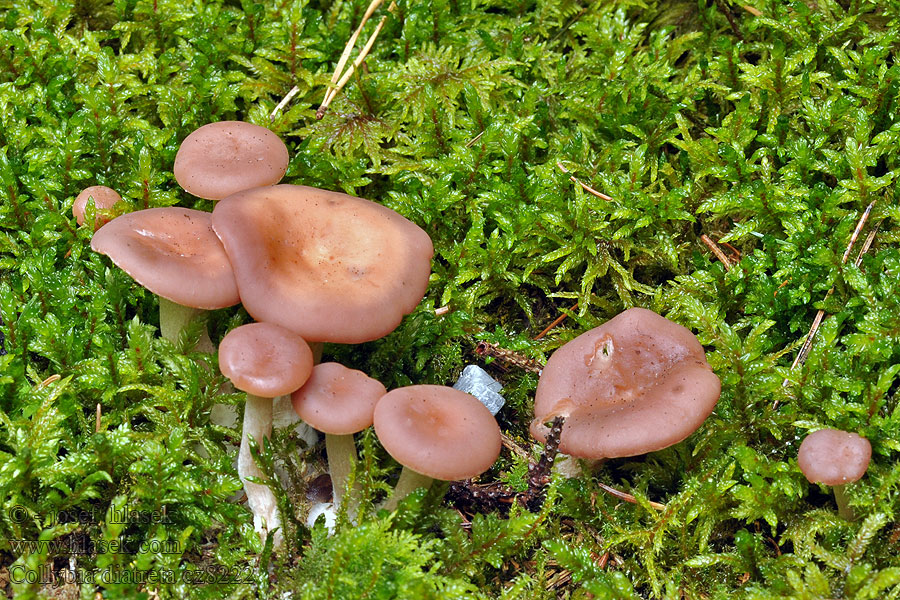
{"x": 435, "y": 432}
{"x": 636, "y": 384}
{"x": 222, "y": 158}
{"x": 836, "y": 458}
{"x": 104, "y": 199}
{"x": 331, "y": 267}
{"x": 339, "y": 402}
{"x": 264, "y": 360}
{"x": 174, "y": 253}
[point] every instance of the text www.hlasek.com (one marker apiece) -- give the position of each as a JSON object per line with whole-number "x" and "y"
{"x": 74, "y": 546}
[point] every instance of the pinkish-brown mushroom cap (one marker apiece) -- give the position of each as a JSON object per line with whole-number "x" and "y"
{"x": 265, "y": 360}
{"x": 636, "y": 384}
{"x": 437, "y": 431}
{"x": 222, "y": 158}
{"x": 104, "y": 199}
{"x": 834, "y": 457}
{"x": 331, "y": 267}
{"x": 174, "y": 253}
{"x": 338, "y": 400}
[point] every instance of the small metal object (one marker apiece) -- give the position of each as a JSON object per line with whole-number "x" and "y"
{"x": 475, "y": 381}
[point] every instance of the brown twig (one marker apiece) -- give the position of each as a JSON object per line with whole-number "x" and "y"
{"x": 584, "y": 186}
{"x": 735, "y": 251}
{"x": 97, "y": 423}
{"x": 820, "y": 315}
{"x": 727, "y": 12}
{"x": 555, "y": 322}
{"x": 521, "y": 361}
{"x": 715, "y": 250}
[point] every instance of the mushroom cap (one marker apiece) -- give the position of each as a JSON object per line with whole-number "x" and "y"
{"x": 331, "y": 267}
{"x": 104, "y": 199}
{"x": 338, "y": 400}
{"x": 222, "y": 158}
{"x": 834, "y": 457}
{"x": 437, "y": 431}
{"x": 264, "y": 359}
{"x": 174, "y": 253}
{"x": 636, "y": 384}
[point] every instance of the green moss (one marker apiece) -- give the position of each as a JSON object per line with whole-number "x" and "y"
{"x": 768, "y": 125}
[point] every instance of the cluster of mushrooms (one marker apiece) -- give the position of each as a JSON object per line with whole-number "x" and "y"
{"x": 310, "y": 266}
{"x": 313, "y": 266}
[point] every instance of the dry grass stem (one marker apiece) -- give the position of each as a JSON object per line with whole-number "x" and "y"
{"x": 471, "y": 142}
{"x": 820, "y": 315}
{"x": 627, "y": 497}
{"x": 284, "y": 101}
{"x": 52, "y": 379}
{"x": 584, "y": 186}
{"x": 338, "y": 81}
{"x": 348, "y": 48}
{"x": 753, "y": 11}
{"x": 868, "y": 244}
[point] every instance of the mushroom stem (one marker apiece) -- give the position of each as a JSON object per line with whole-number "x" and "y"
{"x": 843, "y": 502}
{"x": 341, "y": 452}
{"x": 262, "y": 502}
{"x": 316, "y": 348}
{"x": 409, "y": 482}
{"x": 174, "y": 317}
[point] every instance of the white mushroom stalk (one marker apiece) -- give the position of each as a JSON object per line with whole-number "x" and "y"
{"x": 408, "y": 482}
{"x": 260, "y": 498}
{"x": 266, "y": 361}
{"x": 174, "y": 318}
{"x": 341, "y": 451}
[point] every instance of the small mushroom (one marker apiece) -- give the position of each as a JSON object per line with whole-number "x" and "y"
{"x": 636, "y": 384}
{"x": 435, "y": 432}
{"x": 339, "y": 402}
{"x": 331, "y": 267}
{"x": 265, "y": 361}
{"x": 174, "y": 253}
{"x": 836, "y": 458}
{"x": 104, "y": 199}
{"x": 222, "y": 158}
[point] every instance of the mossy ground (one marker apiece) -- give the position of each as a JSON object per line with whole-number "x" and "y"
{"x": 767, "y": 126}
